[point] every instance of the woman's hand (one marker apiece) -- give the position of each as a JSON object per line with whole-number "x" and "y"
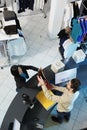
{"x": 40, "y": 80}
{"x": 20, "y": 70}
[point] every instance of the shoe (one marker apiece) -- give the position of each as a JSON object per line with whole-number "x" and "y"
{"x": 23, "y": 10}
{"x": 45, "y": 16}
{"x": 18, "y": 89}
{"x": 67, "y": 116}
{"x": 31, "y": 106}
{"x": 19, "y": 11}
{"x": 67, "y": 119}
{"x": 55, "y": 119}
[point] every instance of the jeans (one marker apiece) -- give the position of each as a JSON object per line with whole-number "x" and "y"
{"x": 60, "y": 115}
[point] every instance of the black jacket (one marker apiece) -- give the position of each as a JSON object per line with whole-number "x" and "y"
{"x": 20, "y": 81}
{"x": 25, "y": 68}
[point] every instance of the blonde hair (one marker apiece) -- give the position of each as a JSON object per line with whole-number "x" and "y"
{"x": 68, "y": 30}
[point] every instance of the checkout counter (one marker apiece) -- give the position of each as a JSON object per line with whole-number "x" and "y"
{"x": 30, "y": 118}
{"x": 26, "y": 116}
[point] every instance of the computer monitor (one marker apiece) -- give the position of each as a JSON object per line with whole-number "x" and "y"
{"x": 66, "y": 75}
{"x": 16, "y": 124}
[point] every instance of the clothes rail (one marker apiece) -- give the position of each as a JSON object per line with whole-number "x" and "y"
{"x": 85, "y": 16}
{"x": 84, "y": 6}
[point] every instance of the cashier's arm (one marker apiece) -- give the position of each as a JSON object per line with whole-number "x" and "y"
{"x": 46, "y": 91}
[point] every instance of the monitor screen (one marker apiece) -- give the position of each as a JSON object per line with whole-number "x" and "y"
{"x": 16, "y": 125}
{"x": 65, "y": 75}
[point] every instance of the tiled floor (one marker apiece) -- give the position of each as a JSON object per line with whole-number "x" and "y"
{"x": 41, "y": 51}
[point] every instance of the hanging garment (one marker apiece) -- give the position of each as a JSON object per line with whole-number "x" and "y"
{"x": 71, "y": 10}
{"x": 76, "y": 10}
{"x": 17, "y": 47}
{"x": 63, "y": 36}
{"x": 83, "y": 24}
{"x": 38, "y": 4}
{"x": 68, "y": 14}
{"x": 76, "y": 30}
{"x": 21, "y": 6}
{"x": 70, "y": 50}
{"x": 86, "y": 25}
{"x": 24, "y": 4}
{"x": 2, "y": 49}
{"x": 67, "y": 43}
{"x": 46, "y": 7}
{"x": 31, "y": 4}
{"x": 3, "y": 54}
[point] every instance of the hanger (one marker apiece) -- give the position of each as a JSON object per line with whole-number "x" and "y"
{"x": 84, "y": 6}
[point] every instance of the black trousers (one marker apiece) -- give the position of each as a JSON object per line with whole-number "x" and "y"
{"x": 22, "y": 5}
{"x": 20, "y": 82}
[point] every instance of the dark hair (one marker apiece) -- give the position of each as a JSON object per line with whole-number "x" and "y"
{"x": 14, "y": 70}
{"x": 75, "y": 83}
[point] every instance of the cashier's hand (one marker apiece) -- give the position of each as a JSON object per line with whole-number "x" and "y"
{"x": 40, "y": 81}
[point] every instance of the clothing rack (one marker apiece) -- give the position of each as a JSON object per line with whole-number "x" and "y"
{"x": 38, "y": 8}
{"x": 84, "y": 6}
{"x": 69, "y": 1}
{"x": 85, "y": 16}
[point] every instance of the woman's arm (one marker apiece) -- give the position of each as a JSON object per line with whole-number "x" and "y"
{"x": 29, "y": 67}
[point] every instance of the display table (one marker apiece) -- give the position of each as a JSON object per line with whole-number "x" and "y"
{"x": 5, "y": 58}
{"x": 14, "y": 44}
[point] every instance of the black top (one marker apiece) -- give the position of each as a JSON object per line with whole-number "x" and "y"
{"x": 28, "y": 117}
{"x": 62, "y": 33}
{"x": 25, "y": 68}
{"x": 20, "y": 80}
{"x": 63, "y": 36}
{"x": 76, "y": 10}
